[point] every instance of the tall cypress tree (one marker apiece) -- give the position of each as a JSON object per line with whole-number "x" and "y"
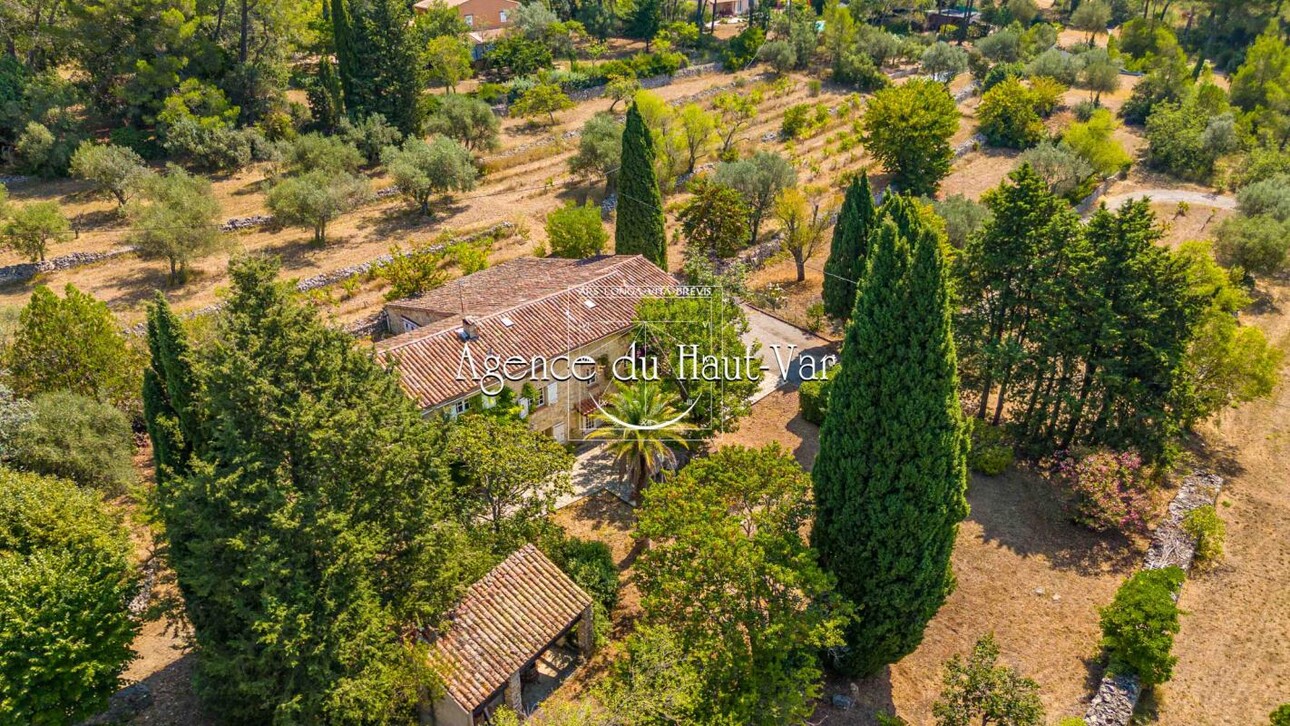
{"x": 347, "y": 64}
{"x": 891, "y": 476}
{"x": 169, "y": 392}
{"x": 380, "y": 65}
{"x": 845, "y": 265}
{"x": 639, "y": 230}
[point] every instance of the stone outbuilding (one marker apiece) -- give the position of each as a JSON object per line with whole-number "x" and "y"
{"x": 516, "y": 634}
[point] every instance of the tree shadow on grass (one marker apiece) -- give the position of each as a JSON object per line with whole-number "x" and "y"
{"x": 1024, "y": 513}
{"x": 174, "y": 700}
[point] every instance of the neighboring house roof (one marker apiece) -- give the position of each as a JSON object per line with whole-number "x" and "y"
{"x": 505, "y": 620}
{"x": 425, "y": 5}
{"x": 529, "y": 307}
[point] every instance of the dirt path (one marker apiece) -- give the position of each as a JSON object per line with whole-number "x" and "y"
{"x": 1173, "y": 196}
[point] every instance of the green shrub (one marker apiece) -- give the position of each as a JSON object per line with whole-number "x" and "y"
{"x": 576, "y": 231}
{"x": 587, "y": 562}
{"x": 1281, "y": 716}
{"x": 813, "y": 399}
{"x": 815, "y": 317}
{"x": 1204, "y": 524}
{"x": 1007, "y": 116}
{"x": 1000, "y": 73}
{"x": 1139, "y": 625}
{"x": 742, "y": 49}
{"x": 77, "y": 438}
{"x": 65, "y": 579}
{"x": 990, "y": 454}
{"x": 859, "y": 70}
{"x": 42, "y": 152}
{"x": 803, "y": 120}
{"x": 1072, "y": 721}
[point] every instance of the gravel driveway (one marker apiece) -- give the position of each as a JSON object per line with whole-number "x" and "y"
{"x": 784, "y": 347}
{"x": 1170, "y": 196}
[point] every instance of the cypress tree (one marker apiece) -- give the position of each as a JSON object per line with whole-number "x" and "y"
{"x": 891, "y": 476}
{"x": 845, "y": 265}
{"x": 347, "y": 64}
{"x": 169, "y": 392}
{"x": 380, "y": 65}
{"x": 639, "y": 230}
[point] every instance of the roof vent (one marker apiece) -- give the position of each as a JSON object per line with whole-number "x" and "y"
{"x": 507, "y": 321}
{"x": 589, "y": 304}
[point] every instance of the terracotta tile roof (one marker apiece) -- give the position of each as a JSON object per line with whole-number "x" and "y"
{"x": 505, "y": 619}
{"x": 528, "y": 307}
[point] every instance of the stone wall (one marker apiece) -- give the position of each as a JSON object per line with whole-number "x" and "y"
{"x": 586, "y": 94}
{"x": 1171, "y": 546}
{"x": 27, "y": 270}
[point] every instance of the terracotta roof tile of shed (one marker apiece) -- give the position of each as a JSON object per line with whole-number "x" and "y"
{"x": 528, "y": 307}
{"x": 505, "y": 619}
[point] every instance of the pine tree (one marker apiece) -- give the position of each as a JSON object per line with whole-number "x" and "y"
{"x": 639, "y": 230}
{"x": 1013, "y": 276}
{"x": 891, "y": 476}
{"x": 169, "y": 392}
{"x": 845, "y": 265}
{"x": 645, "y": 20}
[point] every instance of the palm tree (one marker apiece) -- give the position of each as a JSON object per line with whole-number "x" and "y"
{"x": 643, "y": 446}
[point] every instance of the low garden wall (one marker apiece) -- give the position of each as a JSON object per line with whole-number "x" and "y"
{"x": 1171, "y": 546}
{"x": 1087, "y": 203}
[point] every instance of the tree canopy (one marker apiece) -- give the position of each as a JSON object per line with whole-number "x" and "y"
{"x": 312, "y": 456}
{"x": 908, "y": 128}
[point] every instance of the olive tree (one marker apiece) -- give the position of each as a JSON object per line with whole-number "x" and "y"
{"x": 759, "y": 178}
{"x": 422, "y": 169}
{"x": 313, "y": 199}
{"x": 174, "y": 219}
{"x": 469, "y": 121}
{"x": 32, "y": 228}
{"x": 116, "y": 171}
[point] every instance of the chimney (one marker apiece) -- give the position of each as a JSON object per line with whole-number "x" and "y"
{"x": 469, "y": 330}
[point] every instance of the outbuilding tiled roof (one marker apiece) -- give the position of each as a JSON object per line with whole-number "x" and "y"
{"x": 529, "y": 307}
{"x": 505, "y": 619}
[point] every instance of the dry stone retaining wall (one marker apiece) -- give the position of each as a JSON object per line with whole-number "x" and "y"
{"x": 331, "y": 278}
{"x": 1171, "y": 546}
{"x": 27, "y": 270}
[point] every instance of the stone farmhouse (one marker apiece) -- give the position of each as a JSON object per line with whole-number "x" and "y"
{"x": 558, "y": 323}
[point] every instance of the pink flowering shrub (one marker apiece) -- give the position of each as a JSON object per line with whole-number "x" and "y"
{"x": 1110, "y": 490}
